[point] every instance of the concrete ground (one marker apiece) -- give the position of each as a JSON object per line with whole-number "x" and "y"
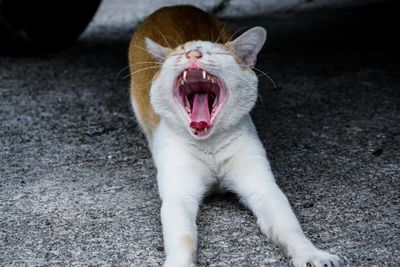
{"x": 77, "y": 183}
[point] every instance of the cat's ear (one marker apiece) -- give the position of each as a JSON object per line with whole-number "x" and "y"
{"x": 157, "y": 51}
{"x": 247, "y": 45}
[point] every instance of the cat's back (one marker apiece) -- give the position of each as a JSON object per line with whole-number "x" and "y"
{"x": 170, "y": 27}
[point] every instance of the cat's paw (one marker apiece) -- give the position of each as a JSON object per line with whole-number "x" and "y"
{"x": 315, "y": 258}
{"x": 178, "y": 262}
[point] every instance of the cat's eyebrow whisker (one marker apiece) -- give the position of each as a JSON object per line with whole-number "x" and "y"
{"x": 230, "y": 39}
{"x": 163, "y": 36}
{"x": 148, "y": 51}
{"x": 165, "y": 39}
{"x": 180, "y": 37}
{"x": 130, "y": 74}
{"x": 177, "y": 44}
{"x": 221, "y": 33}
{"x": 216, "y": 41}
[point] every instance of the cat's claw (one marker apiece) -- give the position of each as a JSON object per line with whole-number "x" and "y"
{"x": 316, "y": 258}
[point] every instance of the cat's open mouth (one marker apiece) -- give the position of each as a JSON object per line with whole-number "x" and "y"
{"x": 201, "y": 95}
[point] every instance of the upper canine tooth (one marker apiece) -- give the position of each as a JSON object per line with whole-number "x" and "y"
{"x": 184, "y": 75}
{"x": 204, "y": 74}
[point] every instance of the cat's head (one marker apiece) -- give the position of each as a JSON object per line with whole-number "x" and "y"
{"x": 204, "y": 87}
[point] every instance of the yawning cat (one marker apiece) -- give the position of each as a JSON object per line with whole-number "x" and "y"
{"x": 192, "y": 89}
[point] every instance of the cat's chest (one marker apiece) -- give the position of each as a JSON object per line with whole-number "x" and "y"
{"x": 212, "y": 157}
{"x": 216, "y": 155}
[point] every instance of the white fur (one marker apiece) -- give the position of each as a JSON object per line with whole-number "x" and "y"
{"x": 231, "y": 156}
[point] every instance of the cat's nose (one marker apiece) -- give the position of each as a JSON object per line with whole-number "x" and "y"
{"x": 193, "y": 54}
{"x": 193, "y": 57}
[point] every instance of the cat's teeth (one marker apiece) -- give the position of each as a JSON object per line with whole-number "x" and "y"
{"x": 184, "y": 75}
{"x": 182, "y": 82}
{"x": 212, "y": 80}
{"x": 205, "y": 129}
{"x": 204, "y": 74}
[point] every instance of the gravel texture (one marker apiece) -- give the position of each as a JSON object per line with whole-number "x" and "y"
{"x": 77, "y": 182}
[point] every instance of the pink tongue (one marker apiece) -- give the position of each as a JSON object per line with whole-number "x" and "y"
{"x": 200, "y": 112}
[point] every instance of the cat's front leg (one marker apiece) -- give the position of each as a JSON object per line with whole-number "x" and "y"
{"x": 250, "y": 176}
{"x": 181, "y": 186}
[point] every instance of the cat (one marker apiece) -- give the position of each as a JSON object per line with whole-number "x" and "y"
{"x": 192, "y": 89}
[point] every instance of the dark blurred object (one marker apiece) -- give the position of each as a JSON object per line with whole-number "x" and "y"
{"x": 29, "y": 27}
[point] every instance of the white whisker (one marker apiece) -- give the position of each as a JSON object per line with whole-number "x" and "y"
{"x": 230, "y": 39}
{"x": 241, "y": 78}
{"x": 130, "y": 74}
{"x": 180, "y": 37}
{"x": 266, "y": 75}
{"x": 148, "y": 51}
{"x": 145, "y": 62}
{"x": 137, "y": 63}
{"x": 262, "y": 74}
{"x": 221, "y": 33}
{"x": 165, "y": 39}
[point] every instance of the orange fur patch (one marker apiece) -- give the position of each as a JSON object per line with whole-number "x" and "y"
{"x": 270, "y": 232}
{"x": 170, "y": 27}
{"x": 187, "y": 242}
